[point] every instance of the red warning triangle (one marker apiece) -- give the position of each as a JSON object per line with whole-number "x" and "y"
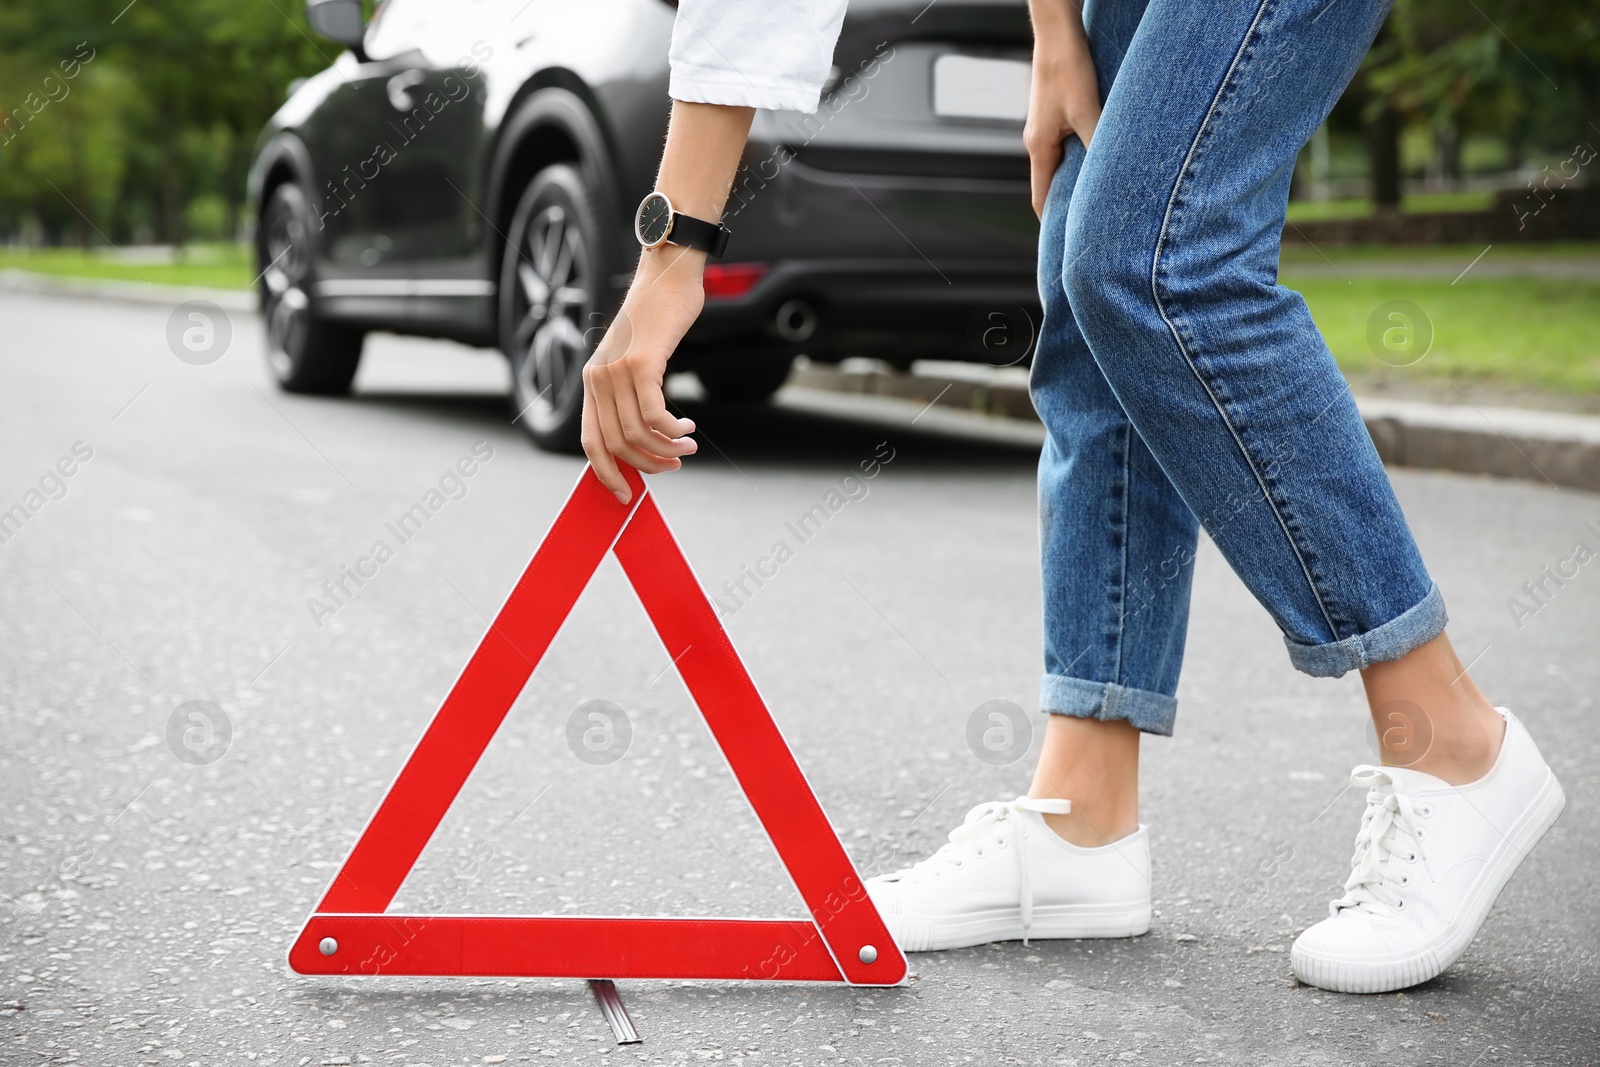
{"x": 845, "y": 939}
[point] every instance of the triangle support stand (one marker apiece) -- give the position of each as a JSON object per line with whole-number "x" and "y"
{"x": 844, "y": 939}
{"x": 610, "y": 1001}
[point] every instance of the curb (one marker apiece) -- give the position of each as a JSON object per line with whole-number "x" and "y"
{"x": 241, "y": 301}
{"x": 1543, "y": 446}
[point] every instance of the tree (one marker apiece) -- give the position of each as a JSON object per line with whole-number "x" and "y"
{"x": 1527, "y": 72}
{"x": 170, "y": 106}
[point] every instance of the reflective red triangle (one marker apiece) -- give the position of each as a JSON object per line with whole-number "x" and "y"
{"x": 845, "y": 938}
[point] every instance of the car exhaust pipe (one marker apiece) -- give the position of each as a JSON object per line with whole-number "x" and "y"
{"x": 795, "y": 321}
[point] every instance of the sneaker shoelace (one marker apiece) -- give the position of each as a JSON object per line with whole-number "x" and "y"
{"x": 966, "y": 840}
{"x": 1388, "y": 837}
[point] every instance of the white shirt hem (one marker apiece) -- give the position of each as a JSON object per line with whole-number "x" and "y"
{"x": 701, "y": 86}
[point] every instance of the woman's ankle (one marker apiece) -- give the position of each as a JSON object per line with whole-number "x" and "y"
{"x": 1093, "y": 828}
{"x": 1463, "y": 748}
{"x": 1431, "y": 716}
{"x": 1094, "y": 764}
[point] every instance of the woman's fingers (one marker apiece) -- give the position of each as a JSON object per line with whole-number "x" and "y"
{"x": 1043, "y": 137}
{"x": 1043, "y": 159}
{"x": 653, "y": 410}
{"x": 608, "y": 413}
{"x": 594, "y": 443}
{"x": 1084, "y": 123}
{"x": 637, "y": 428}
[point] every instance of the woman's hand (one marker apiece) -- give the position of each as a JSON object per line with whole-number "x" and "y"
{"x": 624, "y": 409}
{"x": 1065, "y": 95}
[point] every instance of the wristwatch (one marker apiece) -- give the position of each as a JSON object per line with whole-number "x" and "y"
{"x": 656, "y": 223}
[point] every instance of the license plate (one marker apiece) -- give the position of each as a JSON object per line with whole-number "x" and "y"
{"x": 971, "y": 87}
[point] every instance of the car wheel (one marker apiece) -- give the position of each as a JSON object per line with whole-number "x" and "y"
{"x": 554, "y": 297}
{"x": 748, "y": 380}
{"x": 305, "y": 353}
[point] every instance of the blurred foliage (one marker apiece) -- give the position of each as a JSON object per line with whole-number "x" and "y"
{"x": 1527, "y": 73}
{"x": 134, "y": 121}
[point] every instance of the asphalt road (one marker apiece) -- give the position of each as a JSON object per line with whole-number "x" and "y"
{"x": 149, "y": 896}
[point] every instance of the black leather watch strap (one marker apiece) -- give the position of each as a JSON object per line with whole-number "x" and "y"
{"x": 708, "y": 237}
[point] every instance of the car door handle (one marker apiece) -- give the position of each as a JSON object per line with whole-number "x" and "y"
{"x": 400, "y": 87}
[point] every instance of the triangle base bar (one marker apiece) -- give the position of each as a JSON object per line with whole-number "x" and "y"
{"x": 513, "y": 946}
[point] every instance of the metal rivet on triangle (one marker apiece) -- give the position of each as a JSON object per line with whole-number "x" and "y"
{"x": 867, "y": 954}
{"x": 328, "y": 946}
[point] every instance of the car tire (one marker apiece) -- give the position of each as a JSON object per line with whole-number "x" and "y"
{"x": 555, "y": 299}
{"x": 748, "y": 380}
{"x": 305, "y": 353}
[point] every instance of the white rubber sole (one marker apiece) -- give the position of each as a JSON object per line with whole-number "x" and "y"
{"x": 1379, "y": 974}
{"x": 1050, "y": 922}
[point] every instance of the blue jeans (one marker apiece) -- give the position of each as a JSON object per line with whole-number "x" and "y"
{"x": 1182, "y": 386}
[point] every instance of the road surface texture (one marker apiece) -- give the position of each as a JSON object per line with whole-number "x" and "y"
{"x": 157, "y": 865}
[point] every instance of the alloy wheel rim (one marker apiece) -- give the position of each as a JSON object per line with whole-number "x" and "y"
{"x": 284, "y": 249}
{"x": 552, "y": 299}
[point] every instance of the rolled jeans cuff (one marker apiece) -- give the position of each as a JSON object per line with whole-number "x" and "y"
{"x": 1410, "y": 629}
{"x": 1144, "y": 709}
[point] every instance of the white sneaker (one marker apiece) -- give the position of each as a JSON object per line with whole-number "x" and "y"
{"x": 1430, "y": 860}
{"x": 1005, "y": 875}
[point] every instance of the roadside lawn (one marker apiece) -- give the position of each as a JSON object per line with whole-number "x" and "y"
{"x": 1523, "y": 316}
{"x": 212, "y": 266}
{"x": 1516, "y": 316}
{"x": 1423, "y": 204}
{"x": 1516, "y": 332}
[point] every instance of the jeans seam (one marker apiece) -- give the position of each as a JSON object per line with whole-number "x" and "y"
{"x": 1122, "y": 581}
{"x": 1183, "y": 350}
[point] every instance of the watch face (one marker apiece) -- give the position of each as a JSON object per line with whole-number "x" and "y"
{"x": 654, "y": 219}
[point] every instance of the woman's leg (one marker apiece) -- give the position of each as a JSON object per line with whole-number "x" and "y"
{"x": 1171, "y": 267}
{"x": 1116, "y": 539}
{"x": 1172, "y": 256}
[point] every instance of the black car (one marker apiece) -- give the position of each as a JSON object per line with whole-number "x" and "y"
{"x": 470, "y": 170}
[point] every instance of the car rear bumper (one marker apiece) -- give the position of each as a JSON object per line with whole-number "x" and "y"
{"x": 892, "y": 309}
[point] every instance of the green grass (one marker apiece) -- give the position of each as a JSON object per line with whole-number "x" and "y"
{"x": 1316, "y": 210}
{"x": 1450, "y": 259}
{"x": 223, "y": 266}
{"x": 1517, "y": 330}
{"x": 1512, "y": 331}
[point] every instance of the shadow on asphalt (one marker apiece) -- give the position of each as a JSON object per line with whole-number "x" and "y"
{"x": 757, "y": 435}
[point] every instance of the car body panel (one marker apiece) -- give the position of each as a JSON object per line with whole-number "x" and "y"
{"x": 895, "y": 224}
